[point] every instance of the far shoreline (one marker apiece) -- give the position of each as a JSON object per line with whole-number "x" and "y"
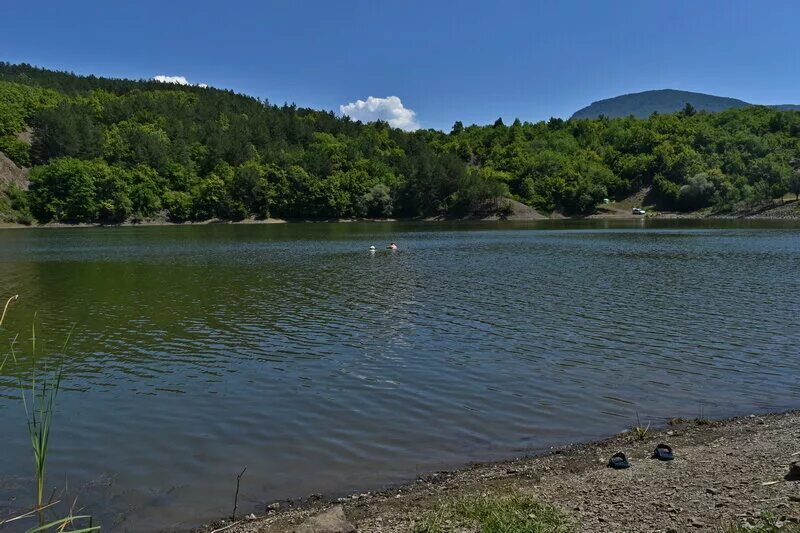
{"x": 767, "y": 215}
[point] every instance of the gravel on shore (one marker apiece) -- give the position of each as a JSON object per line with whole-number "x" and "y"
{"x": 725, "y": 474}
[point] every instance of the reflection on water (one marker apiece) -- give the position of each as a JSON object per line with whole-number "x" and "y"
{"x": 291, "y": 350}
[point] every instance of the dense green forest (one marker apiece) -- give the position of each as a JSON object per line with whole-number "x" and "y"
{"x": 111, "y": 150}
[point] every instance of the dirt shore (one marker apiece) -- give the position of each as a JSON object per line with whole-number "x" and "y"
{"x": 725, "y": 476}
{"x": 788, "y": 210}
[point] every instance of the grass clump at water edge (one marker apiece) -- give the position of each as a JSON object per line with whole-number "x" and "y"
{"x": 639, "y": 431}
{"x": 494, "y": 512}
{"x": 39, "y": 410}
{"x": 39, "y": 406}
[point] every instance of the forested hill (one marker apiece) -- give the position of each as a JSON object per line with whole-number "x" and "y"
{"x": 644, "y": 104}
{"x": 113, "y": 150}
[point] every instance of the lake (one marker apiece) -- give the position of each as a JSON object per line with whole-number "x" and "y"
{"x": 292, "y": 351}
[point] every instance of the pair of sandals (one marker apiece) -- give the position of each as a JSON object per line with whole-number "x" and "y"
{"x": 663, "y": 452}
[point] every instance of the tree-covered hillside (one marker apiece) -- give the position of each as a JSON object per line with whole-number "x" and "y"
{"x": 645, "y": 103}
{"x": 114, "y": 150}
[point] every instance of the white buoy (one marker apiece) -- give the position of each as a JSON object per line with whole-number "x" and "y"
{"x": 371, "y": 248}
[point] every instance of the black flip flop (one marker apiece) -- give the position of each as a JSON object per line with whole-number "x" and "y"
{"x": 794, "y": 472}
{"x": 663, "y": 453}
{"x": 618, "y": 461}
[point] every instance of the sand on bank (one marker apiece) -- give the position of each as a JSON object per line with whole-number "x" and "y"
{"x": 725, "y": 474}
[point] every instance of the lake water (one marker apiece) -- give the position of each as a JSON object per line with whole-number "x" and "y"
{"x": 292, "y": 351}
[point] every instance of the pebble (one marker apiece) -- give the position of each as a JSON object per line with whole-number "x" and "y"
{"x": 711, "y": 491}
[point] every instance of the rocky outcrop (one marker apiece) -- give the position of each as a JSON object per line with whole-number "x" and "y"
{"x": 11, "y": 173}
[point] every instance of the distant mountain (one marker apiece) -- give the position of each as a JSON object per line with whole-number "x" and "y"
{"x": 643, "y": 104}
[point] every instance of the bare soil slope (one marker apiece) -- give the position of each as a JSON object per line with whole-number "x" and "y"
{"x": 11, "y": 173}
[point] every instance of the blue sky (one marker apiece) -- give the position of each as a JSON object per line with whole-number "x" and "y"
{"x": 445, "y": 61}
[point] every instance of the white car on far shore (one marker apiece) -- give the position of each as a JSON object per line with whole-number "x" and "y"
{"x": 638, "y": 211}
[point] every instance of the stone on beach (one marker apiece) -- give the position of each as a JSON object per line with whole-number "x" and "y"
{"x": 331, "y": 521}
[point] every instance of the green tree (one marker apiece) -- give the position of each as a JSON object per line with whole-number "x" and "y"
{"x": 760, "y": 193}
{"x": 794, "y": 179}
{"x": 131, "y": 143}
{"x": 697, "y": 193}
{"x": 145, "y": 191}
{"x": 250, "y": 187}
{"x": 178, "y": 205}
{"x": 68, "y": 130}
{"x": 210, "y": 198}
{"x": 377, "y": 202}
{"x": 65, "y": 190}
{"x": 112, "y": 192}
{"x": 666, "y": 191}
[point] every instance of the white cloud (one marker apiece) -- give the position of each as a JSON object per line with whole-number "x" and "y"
{"x": 179, "y": 80}
{"x": 390, "y": 109}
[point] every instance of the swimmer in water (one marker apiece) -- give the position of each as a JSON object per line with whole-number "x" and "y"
{"x": 392, "y": 246}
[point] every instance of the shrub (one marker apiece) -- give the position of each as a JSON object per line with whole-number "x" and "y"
{"x": 697, "y": 193}
{"x": 178, "y": 205}
{"x": 377, "y": 202}
{"x": 16, "y": 150}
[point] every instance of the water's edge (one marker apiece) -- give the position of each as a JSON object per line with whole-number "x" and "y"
{"x": 439, "y": 484}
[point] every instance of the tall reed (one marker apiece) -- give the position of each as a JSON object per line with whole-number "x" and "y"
{"x": 39, "y": 404}
{"x": 39, "y": 409}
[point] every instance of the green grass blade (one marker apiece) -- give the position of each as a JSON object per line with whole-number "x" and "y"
{"x": 8, "y": 302}
{"x": 63, "y": 522}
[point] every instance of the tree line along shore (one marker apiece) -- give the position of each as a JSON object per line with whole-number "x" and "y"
{"x": 84, "y": 149}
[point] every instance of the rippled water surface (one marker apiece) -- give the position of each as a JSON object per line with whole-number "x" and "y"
{"x": 291, "y": 350}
